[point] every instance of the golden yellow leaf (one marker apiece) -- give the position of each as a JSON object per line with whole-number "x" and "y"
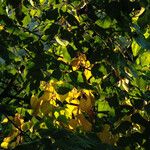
{"x": 4, "y": 121}
{"x": 106, "y": 136}
{"x": 34, "y": 101}
{"x": 73, "y": 124}
{"x": 46, "y": 96}
{"x": 73, "y": 95}
{"x": 46, "y": 107}
{"x": 86, "y": 125}
{"x": 75, "y": 64}
{"x": 62, "y": 97}
{"x": 82, "y": 58}
{"x": 4, "y": 145}
{"x": 87, "y": 73}
{"x": 1, "y": 27}
{"x": 18, "y": 119}
{"x": 11, "y": 137}
{"x": 71, "y": 109}
{"x": 85, "y": 105}
{"x": 35, "y": 104}
{"x": 8, "y": 139}
{"x": 87, "y": 101}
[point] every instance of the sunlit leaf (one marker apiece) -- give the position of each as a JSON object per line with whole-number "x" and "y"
{"x": 135, "y": 48}
{"x": 61, "y": 42}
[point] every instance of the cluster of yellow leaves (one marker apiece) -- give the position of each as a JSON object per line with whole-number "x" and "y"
{"x": 81, "y": 61}
{"x": 47, "y": 102}
{"x": 81, "y": 122}
{"x": 14, "y": 138}
{"x": 76, "y": 101}
{"x": 1, "y": 27}
{"x": 106, "y": 136}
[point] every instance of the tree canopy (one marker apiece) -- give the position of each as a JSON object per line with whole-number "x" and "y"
{"x": 75, "y": 74}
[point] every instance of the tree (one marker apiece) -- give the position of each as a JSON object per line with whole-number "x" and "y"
{"x": 74, "y": 74}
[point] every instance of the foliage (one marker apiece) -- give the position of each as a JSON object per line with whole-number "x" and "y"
{"x": 75, "y": 74}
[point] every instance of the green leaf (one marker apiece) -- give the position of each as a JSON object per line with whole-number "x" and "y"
{"x": 104, "y": 106}
{"x": 66, "y": 55}
{"x": 61, "y": 41}
{"x": 26, "y": 20}
{"x": 104, "y": 23}
{"x": 144, "y": 59}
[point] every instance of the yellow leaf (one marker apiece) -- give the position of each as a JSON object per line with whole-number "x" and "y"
{"x": 82, "y": 58}
{"x": 43, "y": 85}
{"x": 4, "y": 145}
{"x": 42, "y": 1}
{"x": 85, "y": 105}
{"x": 73, "y": 95}
{"x": 33, "y": 101}
{"x": 73, "y": 124}
{"x": 75, "y": 64}
{"x": 87, "y": 64}
{"x": 18, "y": 119}
{"x": 62, "y": 97}
{"x": 135, "y": 48}
{"x": 25, "y": 126}
{"x": 87, "y": 73}
{"x": 43, "y": 125}
{"x": 31, "y": 2}
{"x": 87, "y": 101}
{"x": 127, "y": 102}
{"x": 48, "y": 86}
{"x": 35, "y": 104}
{"x": 46, "y": 96}
{"x": 106, "y": 136}
{"x": 11, "y": 136}
{"x": 53, "y": 102}
{"x": 71, "y": 109}
{"x": 125, "y": 84}
{"x": 5, "y": 120}
{"x": 46, "y": 107}
{"x": 86, "y": 125}
{"x": 127, "y": 71}
{"x": 1, "y": 27}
